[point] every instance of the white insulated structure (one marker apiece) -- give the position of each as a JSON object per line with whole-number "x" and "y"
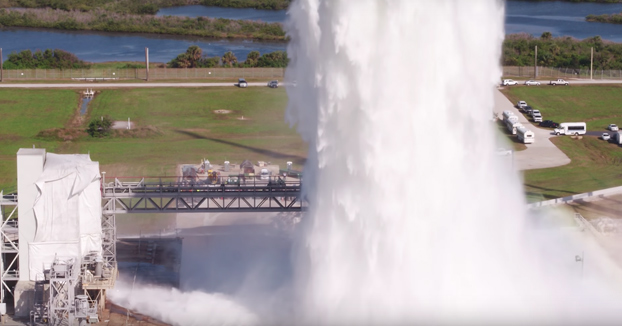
{"x": 58, "y": 257}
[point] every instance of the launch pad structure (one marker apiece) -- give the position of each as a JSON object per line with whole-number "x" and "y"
{"x": 58, "y": 259}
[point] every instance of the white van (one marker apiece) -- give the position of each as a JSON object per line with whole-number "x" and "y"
{"x": 525, "y": 135}
{"x": 571, "y": 128}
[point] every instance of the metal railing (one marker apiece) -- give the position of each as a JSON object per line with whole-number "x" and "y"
{"x": 184, "y": 185}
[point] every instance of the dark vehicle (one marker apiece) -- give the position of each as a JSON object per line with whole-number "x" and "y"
{"x": 526, "y": 108}
{"x": 549, "y": 124}
{"x": 273, "y": 84}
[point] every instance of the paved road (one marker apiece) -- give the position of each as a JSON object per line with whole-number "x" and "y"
{"x": 124, "y": 85}
{"x": 542, "y": 153}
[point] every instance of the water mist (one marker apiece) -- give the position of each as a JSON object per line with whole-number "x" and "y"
{"x": 412, "y": 218}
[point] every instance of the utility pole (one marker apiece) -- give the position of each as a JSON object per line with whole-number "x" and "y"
{"x": 147, "y": 61}
{"x": 1, "y": 72}
{"x": 535, "y": 64}
{"x": 591, "y": 63}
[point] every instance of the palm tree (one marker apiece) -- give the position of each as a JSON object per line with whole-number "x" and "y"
{"x": 229, "y": 59}
{"x": 251, "y": 58}
{"x": 194, "y": 54}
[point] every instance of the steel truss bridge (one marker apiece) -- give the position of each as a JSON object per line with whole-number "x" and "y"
{"x": 219, "y": 194}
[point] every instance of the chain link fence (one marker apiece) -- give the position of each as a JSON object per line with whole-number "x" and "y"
{"x": 154, "y": 73}
{"x": 553, "y": 73}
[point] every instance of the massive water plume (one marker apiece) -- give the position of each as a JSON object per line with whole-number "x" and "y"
{"x": 413, "y": 219}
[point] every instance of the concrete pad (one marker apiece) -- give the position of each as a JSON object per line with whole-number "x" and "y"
{"x": 542, "y": 153}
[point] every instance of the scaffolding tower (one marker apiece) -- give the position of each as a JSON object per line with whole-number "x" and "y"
{"x": 9, "y": 250}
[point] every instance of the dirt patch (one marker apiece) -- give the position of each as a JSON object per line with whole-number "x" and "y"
{"x": 62, "y": 134}
{"x": 142, "y": 132}
{"x": 8, "y": 102}
{"x": 222, "y": 111}
{"x": 10, "y": 138}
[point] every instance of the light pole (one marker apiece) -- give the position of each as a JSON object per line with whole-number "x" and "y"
{"x": 578, "y": 258}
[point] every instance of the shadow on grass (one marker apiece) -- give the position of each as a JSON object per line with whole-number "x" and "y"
{"x": 294, "y": 158}
{"x": 546, "y": 196}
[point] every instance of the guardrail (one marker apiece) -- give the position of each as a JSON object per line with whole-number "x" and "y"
{"x": 221, "y": 184}
{"x": 587, "y": 195}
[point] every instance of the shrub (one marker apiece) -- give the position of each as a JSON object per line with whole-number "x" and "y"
{"x": 100, "y": 127}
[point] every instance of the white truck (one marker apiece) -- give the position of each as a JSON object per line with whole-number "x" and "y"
{"x": 507, "y": 115}
{"x": 525, "y": 135}
{"x": 617, "y": 137}
{"x": 513, "y": 125}
{"x": 521, "y": 104}
{"x": 558, "y": 82}
{"x": 536, "y": 116}
{"x": 571, "y": 128}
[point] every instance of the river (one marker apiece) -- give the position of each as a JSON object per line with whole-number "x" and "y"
{"x": 558, "y": 17}
{"x": 101, "y": 46}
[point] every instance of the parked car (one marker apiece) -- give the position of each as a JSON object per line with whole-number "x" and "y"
{"x": 532, "y": 83}
{"x": 534, "y": 112}
{"x": 558, "y": 82}
{"x": 527, "y": 108}
{"x": 537, "y": 117}
{"x": 521, "y": 104}
{"x": 613, "y": 127}
{"x": 242, "y": 83}
{"x": 509, "y": 82}
{"x": 273, "y": 84}
{"x": 549, "y": 124}
{"x": 605, "y": 136}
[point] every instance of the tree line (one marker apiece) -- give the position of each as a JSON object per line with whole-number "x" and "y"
{"x": 561, "y": 52}
{"x": 48, "y": 59}
{"x": 194, "y": 58}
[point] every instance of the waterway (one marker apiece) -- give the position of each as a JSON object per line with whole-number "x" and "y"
{"x": 558, "y": 17}
{"x": 101, "y": 46}
{"x": 561, "y": 19}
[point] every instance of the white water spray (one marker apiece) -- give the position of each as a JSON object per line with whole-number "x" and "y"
{"x": 192, "y": 308}
{"x": 412, "y": 219}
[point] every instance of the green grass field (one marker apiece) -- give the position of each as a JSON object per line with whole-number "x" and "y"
{"x": 596, "y": 164}
{"x": 597, "y": 105}
{"x": 181, "y": 123}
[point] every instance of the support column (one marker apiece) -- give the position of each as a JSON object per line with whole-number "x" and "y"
{"x": 147, "y": 62}
{"x": 591, "y": 63}
{"x": 535, "y": 64}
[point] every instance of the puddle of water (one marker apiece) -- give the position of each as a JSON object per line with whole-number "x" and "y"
{"x": 85, "y": 104}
